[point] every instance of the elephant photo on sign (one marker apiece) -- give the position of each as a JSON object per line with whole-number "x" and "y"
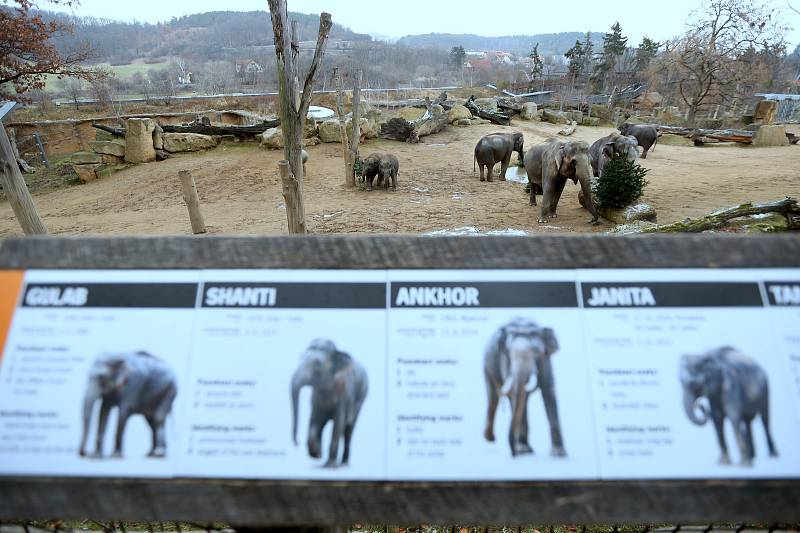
{"x": 731, "y": 386}
{"x": 136, "y": 383}
{"x": 339, "y": 386}
{"x": 516, "y": 364}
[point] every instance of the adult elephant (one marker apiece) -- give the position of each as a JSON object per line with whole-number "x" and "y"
{"x": 550, "y": 165}
{"x": 497, "y": 148}
{"x": 646, "y": 135}
{"x": 339, "y": 386}
{"x": 516, "y": 363}
{"x": 135, "y": 383}
{"x": 736, "y": 388}
{"x": 604, "y": 148}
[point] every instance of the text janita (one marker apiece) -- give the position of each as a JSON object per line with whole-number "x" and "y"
{"x": 621, "y": 296}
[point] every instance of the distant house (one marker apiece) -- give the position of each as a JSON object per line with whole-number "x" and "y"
{"x": 247, "y": 66}
{"x": 500, "y": 57}
{"x": 186, "y": 79}
{"x": 478, "y": 64}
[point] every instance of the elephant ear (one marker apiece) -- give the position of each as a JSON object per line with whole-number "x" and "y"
{"x": 119, "y": 372}
{"x": 502, "y": 336}
{"x": 608, "y": 149}
{"x": 558, "y": 158}
{"x": 550, "y": 341}
{"x": 340, "y": 360}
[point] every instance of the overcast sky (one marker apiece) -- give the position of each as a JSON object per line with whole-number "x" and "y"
{"x": 658, "y": 20}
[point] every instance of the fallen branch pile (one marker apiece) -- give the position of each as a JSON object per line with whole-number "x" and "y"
{"x": 787, "y": 207}
{"x": 496, "y": 117}
{"x": 739, "y": 136}
{"x": 204, "y": 128}
{"x": 399, "y": 129}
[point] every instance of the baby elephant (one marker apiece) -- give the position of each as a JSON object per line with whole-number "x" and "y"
{"x": 383, "y": 165}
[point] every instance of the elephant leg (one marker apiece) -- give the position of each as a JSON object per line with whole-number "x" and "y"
{"x": 504, "y": 167}
{"x": 157, "y": 425}
{"x": 152, "y": 423}
{"x": 315, "y": 426}
{"x": 740, "y": 430}
{"x": 559, "y": 189}
{"x": 773, "y": 452}
{"x": 348, "y": 434}
{"x": 491, "y": 393}
{"x": 394, "y": 180}
{"x": 547, "y": 197}
{"x": 719, "y": 427}
{"x": 748, "y": 439}
{"x": 644, "y": 152}
{"x": 490, "y": 171}
{"x": 480, "y": 168}
{"x": 523, "y": 435}
{"x": 122, "y": 420}
{"x": 105, "y": 409}
{"x": 339, "y": 423}
{"x": 533, "y": 192}
{"x": 551, "y": 408}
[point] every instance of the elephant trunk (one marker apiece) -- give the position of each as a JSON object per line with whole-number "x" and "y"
{"x": 584, "y": 174}
{"x": 691, "y": 406}
{"x": 89, "y": 399}
{"x": 520, "y": 399}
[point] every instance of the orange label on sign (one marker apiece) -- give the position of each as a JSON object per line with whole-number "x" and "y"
{"x": 10, "y": 285}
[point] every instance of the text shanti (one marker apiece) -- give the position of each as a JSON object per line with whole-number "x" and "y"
{"x": 241, "y": 296}
{"x": 621, "y": 296}
{"x": 437, "y": 296}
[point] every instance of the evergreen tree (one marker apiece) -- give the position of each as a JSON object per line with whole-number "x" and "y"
{"x": 575, "y": 56}
{"x": 588, "y": 54}
{"x": 614, "y": 45}
{"x": 457, "y": 57}
{"x": 536, "y": 69}
{"x": 645, "y": 54}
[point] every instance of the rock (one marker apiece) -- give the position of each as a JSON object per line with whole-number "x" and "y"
{"x": 329, "y": 130}
{"x": 479, "y": 121}
{"x": 463, "y": 122}
{"x": 555, "y": 117}
{"x": 576, "y": 116}
{"x": 162, "y": 155}
{"x": 458, "y": 112}
{"x": 436, "y": 109}
{"x": 530, "y": 111}
{"x": 765, "y": 111}
{"x": 116, "y": 160}
{"x": 490, "y": 104}
{"x": 639, "y": 212}
{"x": 86, "y": 158}
{"x": 185, "y": 142}
{"x": 139, "y": 140}
{"x": 104, "y": 171}
{"x": 771, "y": 136}
{"x": 600, "y": 111}
{"x": 272, "y": 139}
{"x": 590, "y": 121}
{"x": 85, "y": 172}
{"x": 410, "y": 113}
{"x": 158, "y": 141}
{"x": 310, "y": 129}
{"x": 632, "y": 228}
{"x": 101, "y": 135}
{"x": 116, "y": 148}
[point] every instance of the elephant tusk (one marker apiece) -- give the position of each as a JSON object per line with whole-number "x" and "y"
{"x": 533, "y": 382}
{"x": 505, "y": 390}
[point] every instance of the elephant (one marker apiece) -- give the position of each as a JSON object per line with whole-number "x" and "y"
{"x": 604, "y": 148}
{"x": 736, "y": 388}
{"x": 339, "y": 386}
{"x": 646, "y": 135}
{"x": 516, "y": 363}
{"x": 383, "y": 165}
{"x": 550, "y": 165}
{"x": 135, "y": 383}
{"x": 494, "y": 148}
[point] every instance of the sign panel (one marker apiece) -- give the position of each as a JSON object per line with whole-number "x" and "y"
{"x": 439, "y": 375}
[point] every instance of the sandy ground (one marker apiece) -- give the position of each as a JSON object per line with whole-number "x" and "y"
{"x": 240, "y": 190}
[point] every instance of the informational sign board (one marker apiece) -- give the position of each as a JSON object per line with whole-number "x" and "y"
{"x": 401, "y": 375}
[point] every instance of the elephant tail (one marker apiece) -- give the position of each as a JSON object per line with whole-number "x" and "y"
{"x": 474, "y": 161}
{"x": 658, "y": 134}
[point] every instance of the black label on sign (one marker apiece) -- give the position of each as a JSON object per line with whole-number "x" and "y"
{"x": 781, "y": 293}
{"x": 484, "y": 294}
{"x": 663, "y": 294}
{"x": 295, "y": 295}
{"x": 123, "y": 295}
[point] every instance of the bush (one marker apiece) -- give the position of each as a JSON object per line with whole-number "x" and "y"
{"x": 621, "y": 183}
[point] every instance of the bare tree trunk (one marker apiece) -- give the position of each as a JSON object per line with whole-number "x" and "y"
{"x": 293, "y": 198}
{"x": 16, "y": 190}
{"x": 356, "y": 120}
{"x": 293, "y": 112}
{"x": 349, "y": 162}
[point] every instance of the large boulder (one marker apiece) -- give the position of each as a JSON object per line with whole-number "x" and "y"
{"x": 329, "y": 129}
{"x": 490, "y": 104}
{"x": 116, "y": 148}
{"x": 555, "y": 117}
{"x": 139, "y": 140}
{"x": 530, "y": 111}
{"x": 765, "y": 111}
{"x": 86, "y": 158}
{"x": 458, "y": 112}
{"x": 770, "y": 135}
{"x": 272, "y": 139}
{"x": 85, "y": 172}
{"x": 186, "y": 142}
{"x": 158, "y": 140}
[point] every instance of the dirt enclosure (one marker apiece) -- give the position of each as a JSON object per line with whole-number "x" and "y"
{"x": 240, "y": 189}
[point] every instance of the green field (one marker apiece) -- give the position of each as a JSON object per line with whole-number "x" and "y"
{"x": 120, "y": 71}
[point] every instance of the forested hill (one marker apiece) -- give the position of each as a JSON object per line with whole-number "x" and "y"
{"x": 202, "y": 35}
{"x": 549, "y": 43}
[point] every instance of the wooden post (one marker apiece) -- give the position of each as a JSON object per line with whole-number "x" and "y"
{"x": 356, "y": 121}
{"x": 16, "y": 190}
{"x": 292, "y": 197}
{"x": 192, "y": 201}
{"x": 349, "y": 162}
{"x": 12, "y": 138}
{"x": 293, "y": 113}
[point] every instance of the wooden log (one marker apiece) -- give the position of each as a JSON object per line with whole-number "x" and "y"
{"x": 242, "y": 131}
{"x": 730, "y": 135}
{"x": 192, "y": 201}
{"x": 292, "y": 198}
{"x": 501, "y": 119}
{"x": 116, "y": 132}
{"x": 398, "y": 129}
{"x": 715, "y": 220}
{"x": 569, "y": 130}
{"x": 349, "y": 163}
{"x": 509, "y": 106}
{"x": 16, "y": 190}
